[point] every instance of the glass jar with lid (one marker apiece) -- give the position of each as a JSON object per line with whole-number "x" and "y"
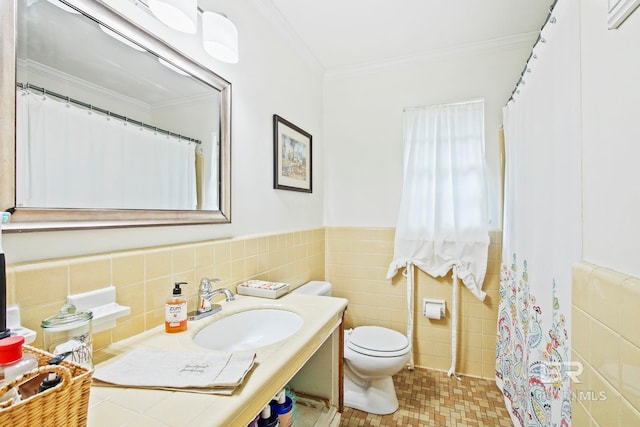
{"x": 69, "y": 332}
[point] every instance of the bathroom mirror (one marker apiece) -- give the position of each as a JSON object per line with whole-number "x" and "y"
{"x": 104, "y": 125}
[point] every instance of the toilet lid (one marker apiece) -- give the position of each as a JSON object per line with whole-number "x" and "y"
{"x": 377, "y": 341}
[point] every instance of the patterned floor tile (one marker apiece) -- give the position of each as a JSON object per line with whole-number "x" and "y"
{"x": 431, "y": 398}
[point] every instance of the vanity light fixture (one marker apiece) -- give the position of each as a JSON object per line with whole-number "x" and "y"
{"x": 63, "y": 6}
{"x": 220, "y": 37}
{"x": 172, "y": 67}
{"x": 219, "y": 34}
{"x": 120, "y": 38}
{"x": 181, "y": 15}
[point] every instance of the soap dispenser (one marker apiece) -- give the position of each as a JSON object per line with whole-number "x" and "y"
{"x": 176, "y": 311}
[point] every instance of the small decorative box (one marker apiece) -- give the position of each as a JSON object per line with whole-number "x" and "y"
{"x": 264, "y": 289}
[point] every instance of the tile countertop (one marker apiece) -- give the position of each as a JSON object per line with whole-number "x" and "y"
{"x": 274, "y": 366}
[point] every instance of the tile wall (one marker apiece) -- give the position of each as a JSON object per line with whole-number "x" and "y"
{"x": 357, "y": 260}
{"x": 144, "y": 278}
{"x": 605, "y": 332}
{"x": 354, "y": 259}
{"x": 606, "y": 347}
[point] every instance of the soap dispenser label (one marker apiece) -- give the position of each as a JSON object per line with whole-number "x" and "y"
{"x": 176, "y": 314}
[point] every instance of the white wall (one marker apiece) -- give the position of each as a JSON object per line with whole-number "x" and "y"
{"x": 611, "y": 139}
{"x": 269, "y": 79}
{"x": 362, "y": 138}
{"x": 363, "y": 128}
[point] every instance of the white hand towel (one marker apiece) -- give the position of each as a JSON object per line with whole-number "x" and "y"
{"x": 167, "y": 369}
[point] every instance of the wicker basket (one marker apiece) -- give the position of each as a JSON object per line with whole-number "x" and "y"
{"x": 63, "y": 405}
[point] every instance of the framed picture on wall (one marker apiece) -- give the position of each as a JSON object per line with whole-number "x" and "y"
{"x": 619, "y": 10}
{"x": 292, "y": 163}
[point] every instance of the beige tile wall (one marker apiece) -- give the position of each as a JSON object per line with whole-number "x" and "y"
{"x": 606, "y": 342}
{"x": 144, "y": 278}
{"x": 357, "y": 260}
{"x": 354, "y": 259}
{"x": 605, "y": 332}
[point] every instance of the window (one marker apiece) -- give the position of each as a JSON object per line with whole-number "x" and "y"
{"x": 444, "y": 168}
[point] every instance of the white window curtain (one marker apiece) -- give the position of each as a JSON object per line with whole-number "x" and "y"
{"x": 542, "y": 228}
{"x": 60, "y": 145}
{"x": 443, "y": 220}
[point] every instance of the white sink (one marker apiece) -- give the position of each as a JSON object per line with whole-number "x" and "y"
{"x": 248, "y": 330}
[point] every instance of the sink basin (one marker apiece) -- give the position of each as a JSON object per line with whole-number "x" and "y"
{"x": 248, "y": 330}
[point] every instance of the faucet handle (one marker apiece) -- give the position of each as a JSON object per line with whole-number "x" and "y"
{"x": 205, "y": 284}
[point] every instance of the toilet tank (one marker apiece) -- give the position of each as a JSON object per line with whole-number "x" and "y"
{"x": 315, "y": 287}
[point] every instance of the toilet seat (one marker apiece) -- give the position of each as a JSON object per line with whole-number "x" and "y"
{"x": 377, "y": 341}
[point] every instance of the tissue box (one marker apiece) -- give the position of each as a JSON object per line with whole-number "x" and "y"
{"x": 261, "y": 288}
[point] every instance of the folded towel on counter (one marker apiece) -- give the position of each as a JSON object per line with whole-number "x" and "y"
{"x": 198, "y": 372}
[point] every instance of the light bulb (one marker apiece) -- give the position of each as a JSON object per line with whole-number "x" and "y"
{"x": 121, "y": 39}
{"x": 64, "y": 7}
{"x": 220, "y": 37}
{"x": 181, "y": 15}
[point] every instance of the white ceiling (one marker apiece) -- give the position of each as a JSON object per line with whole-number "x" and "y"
{"x": 73, "y": 46}
{"x": 343, "y": 34}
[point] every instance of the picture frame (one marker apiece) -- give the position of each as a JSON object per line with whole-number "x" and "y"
{"x": 619, "y": 11}
{"x": 292, "y": 156}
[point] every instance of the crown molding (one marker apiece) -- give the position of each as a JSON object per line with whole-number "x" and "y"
{"x": 519, "y": 41}
{"x": 78, "y": 82}
{"x": 273, "y": 16}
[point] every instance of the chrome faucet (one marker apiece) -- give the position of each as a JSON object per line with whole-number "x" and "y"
{"x": 206, "y": 293}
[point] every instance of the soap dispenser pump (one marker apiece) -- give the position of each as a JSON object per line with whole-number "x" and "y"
{"x": 176, "y": 311}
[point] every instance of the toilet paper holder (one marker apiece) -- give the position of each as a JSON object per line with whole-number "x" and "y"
{"x": 442, "y": 304}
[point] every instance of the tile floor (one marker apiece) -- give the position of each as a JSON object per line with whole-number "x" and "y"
{"x": 431, "y": 398}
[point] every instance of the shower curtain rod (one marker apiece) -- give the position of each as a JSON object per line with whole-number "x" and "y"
{"x": 29, "y": 86}
{"x": 526, "y": 65}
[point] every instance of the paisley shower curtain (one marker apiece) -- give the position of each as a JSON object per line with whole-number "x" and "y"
{"x": 542, "y": 227}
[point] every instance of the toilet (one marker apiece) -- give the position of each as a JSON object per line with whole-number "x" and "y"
{"x": 372, "y": 354}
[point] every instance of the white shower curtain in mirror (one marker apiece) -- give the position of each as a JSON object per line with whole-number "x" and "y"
{"x": 443, "y": 220}
{"x": 70, "y": 157}
{"x": 542, "y": 228}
